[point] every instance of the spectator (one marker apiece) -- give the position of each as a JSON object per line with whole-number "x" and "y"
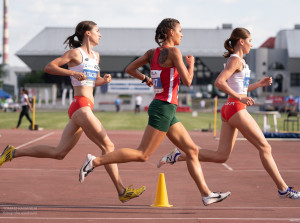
{"x": 138, "y": 103}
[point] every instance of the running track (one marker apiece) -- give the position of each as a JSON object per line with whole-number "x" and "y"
{"x": 45, "y": 190}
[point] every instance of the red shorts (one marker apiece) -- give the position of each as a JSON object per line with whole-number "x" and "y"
{"x": 79, "y": 102}
{"x": 231, "y": 107}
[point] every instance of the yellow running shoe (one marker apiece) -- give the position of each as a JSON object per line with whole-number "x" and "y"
{"x": 7, "y": 154}
{"x": 130, "y": 193}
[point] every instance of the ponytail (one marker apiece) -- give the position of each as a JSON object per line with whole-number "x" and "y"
{"x": 236, "y": 35}
{"x": 72, "y": 43}
{"x": 80, "y": 30}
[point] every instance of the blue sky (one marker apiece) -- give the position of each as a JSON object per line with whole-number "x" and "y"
{"x": 264, "y": 18}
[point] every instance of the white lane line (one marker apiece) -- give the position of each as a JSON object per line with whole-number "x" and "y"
{"x": 35, "y": 140}
{"x": 227, "y": 167}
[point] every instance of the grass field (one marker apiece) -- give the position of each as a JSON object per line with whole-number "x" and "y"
{"x": 118, "y": 121}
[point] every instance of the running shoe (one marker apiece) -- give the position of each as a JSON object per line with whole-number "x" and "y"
{"x": 7, "y": 154}
{"x": 130, "y": 193}
{"x": 86, "y": 168}
{"x": 215, "y": 197}
{"x": 170, "y": 158}
{"x": 289, "y": 193}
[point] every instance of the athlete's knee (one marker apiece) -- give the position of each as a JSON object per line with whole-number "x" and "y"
{"x": 59, "y": 156}
{"x": 108, "y": 147}
{"x": 192, "y": 152}
{"x": 266, "y": 148}
{"x": 143, "y": 157}
{"x": 221, "y": 158}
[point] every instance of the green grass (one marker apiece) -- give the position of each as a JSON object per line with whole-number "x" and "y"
{"x": 119, "y": 121}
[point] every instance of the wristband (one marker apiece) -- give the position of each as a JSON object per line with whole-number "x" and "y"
{"x": 145, "y": 79}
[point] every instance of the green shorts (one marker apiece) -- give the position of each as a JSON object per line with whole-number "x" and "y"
{"x": 162, "y": 115}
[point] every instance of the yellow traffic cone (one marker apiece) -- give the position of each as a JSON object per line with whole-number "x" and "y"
{"x": 161, "y": 199}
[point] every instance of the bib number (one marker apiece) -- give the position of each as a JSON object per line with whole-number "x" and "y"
{"x": 155, "y": 76}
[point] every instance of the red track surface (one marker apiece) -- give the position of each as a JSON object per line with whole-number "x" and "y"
{"x": 45, "y": 190}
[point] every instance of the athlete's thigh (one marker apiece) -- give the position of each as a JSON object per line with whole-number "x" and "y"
{"x": 245, "y": 123}
{"x": 227, "y": 139}
{"x": 92, "y": 127}
{"x": 70, "y": 137}
{"x": 151, "y": 140}
{"x": 180, "y": 137}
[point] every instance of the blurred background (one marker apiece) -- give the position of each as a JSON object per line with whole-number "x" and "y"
{"x": 34, "y": 31}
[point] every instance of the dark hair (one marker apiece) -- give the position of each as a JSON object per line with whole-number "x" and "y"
{"x": 25, "y": 91}
{"x": 236, "y": 35}
{"x": 80, "y": 30}
{"x": 161, "y": 33}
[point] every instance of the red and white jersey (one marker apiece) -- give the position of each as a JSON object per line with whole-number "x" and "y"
{"x": 165, "y": 81}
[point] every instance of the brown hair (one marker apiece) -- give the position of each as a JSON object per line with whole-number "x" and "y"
{"x": 80, "y": 30}
{"x": 236, "y": 35}
{"x": 161, "y": 33}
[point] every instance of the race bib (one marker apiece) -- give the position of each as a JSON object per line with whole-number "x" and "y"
{"x": 155, "y": 76}
{"x": 90, "y": 74}
{"x": 246, "y": 80}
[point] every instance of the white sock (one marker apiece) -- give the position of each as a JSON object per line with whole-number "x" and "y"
{"x": 283, "y": 191}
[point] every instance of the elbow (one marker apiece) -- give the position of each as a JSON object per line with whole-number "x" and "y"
{"x": 47, "y": 68}
{"x": 217, "y": 84}
{"x": 187, "y": 83}
{"x": 128, "y": 70}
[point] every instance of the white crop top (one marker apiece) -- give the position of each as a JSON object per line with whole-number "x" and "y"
{"x": 89, "y": 67}
{"x": 239, "y": 82}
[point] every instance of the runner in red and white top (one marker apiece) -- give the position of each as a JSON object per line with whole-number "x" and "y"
{"x": 165, "y": 80}
{"x": 166, "y": 67}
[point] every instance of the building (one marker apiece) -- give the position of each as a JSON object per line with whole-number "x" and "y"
{"x": 279, "y": 58}
{"x": 120, "y": 46}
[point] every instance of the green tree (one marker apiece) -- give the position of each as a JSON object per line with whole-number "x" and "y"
{"x": 33, "y": 77}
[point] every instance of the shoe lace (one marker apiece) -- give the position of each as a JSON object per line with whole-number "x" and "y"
{"x": 292, "y": 193}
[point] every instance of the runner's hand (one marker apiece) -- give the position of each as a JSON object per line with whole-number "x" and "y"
{"x": 247, "y": 101}
{"x": 107, "y": 78}
{"x": 79, "y": 76}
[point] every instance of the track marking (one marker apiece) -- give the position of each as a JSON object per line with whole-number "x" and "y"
{"x": 35, "y": 140}
{"x": 227, "y": 167}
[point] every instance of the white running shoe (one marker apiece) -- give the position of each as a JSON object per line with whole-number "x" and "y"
{"x": 170, "y": 158}
{"x": 215, "y": 197}
{"x": 86, "y": 168}
{"x": 289, "y": 193}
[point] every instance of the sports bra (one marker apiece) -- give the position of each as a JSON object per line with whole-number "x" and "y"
{"x": 89, "y": 67}
{"x": 239, "y": 82}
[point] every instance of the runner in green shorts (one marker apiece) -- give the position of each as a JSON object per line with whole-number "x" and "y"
{"x": 167, "y": 69}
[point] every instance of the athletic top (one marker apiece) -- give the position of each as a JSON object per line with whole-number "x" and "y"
{"x": 165, "y": 81}
{"x": 23, "y": 100}
{"x": 239, "y": 82}
{"x": 89, "y": 67}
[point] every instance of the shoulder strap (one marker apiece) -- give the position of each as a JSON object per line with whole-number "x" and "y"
{"x": 95, "y": 56}
{"x": 235, "y": 55}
